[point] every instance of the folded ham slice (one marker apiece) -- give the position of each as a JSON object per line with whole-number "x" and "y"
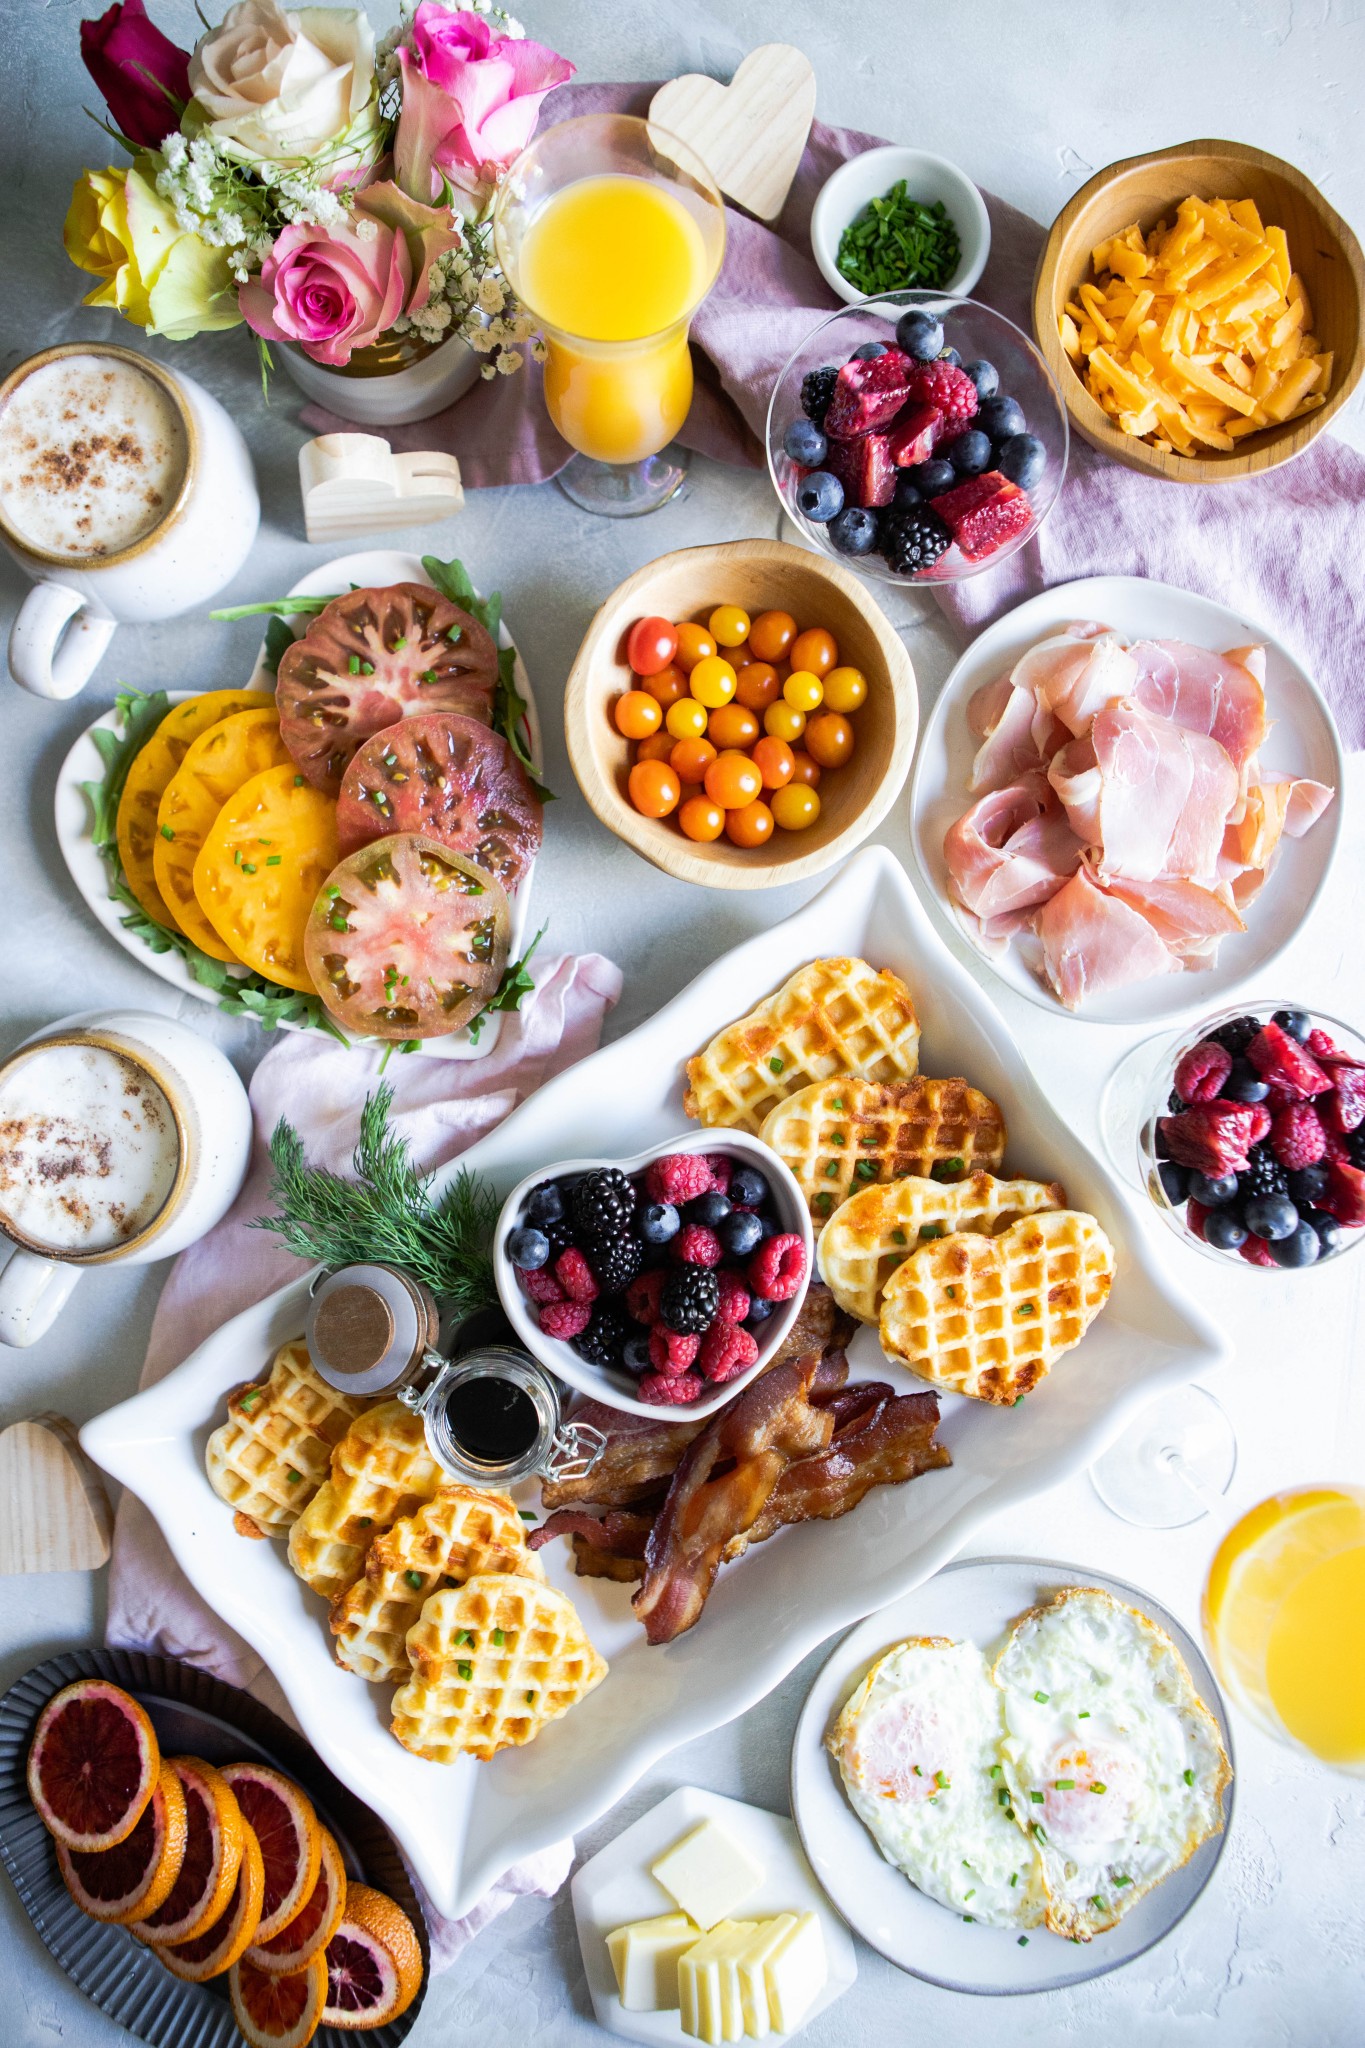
{"x": 1093, "y": 941}
{"x": 1221, "y": 695}
{"x": 1189, "y": 918}
{"x": 1011, "y": 850}
{"x": 1165, "y": 795}
{"x": 1007, "y": 744}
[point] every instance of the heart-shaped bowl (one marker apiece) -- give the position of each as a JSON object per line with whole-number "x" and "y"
{"x": 613, "y": 1388}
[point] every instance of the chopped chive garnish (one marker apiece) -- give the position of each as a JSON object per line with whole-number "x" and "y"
{"x": 414, "y": 1579}
{"x": 1042, "y": 1698}
{"x": 529, "y": 1697}
{"x": 1002, "y": 1798}
{"x": 967, "y": 1919}
{"x": 367, "y": 668}
{"x": 1189, "y": 1777}
{"x": 1122, "y": 1880}
{"x": 353, "y": 665}
{"x": 1064, "y": 1784}
{"x": 248, "y": 1401}
{"x": 917, "y": 1771}
{"x": 1018, "y": 1401}
{"x": 866, "y": 1169}
{"x": 1084, "y": 1714}
{"x": 248, "y": 867}
{"x": 928, "y": 1230}
{"x": 995, "y": 1770}
{"x": 1036, "y": 1829}
{"x": 462, "y": 1638}
{"x": 941, "y": 1781}
{"x": 951, "y": 1293}
{"x": 293, "y": 1476}
{"x": 899, "y": 1237}
{"x": 1027, "y": 1308}
{"x": 824, "y": 1201}
{"x": 1098, "y": 1903}
{"x": 969, "y": 1895}
{"x": 1097, "y": 1787}
{"x": 273, "y": 860}
{"x": 775, "y": 1066}
{"x": 527, "y": 1514}
{"x": 466, "y": 1671}
{"x": 298, "y": 782}
{"x": 499, "y": 1638}
{"x": 838, "y": 1138}
{"x": 1014, "y": 1877}
{"x": 1023, "y": 1939}
{"x": 1036, "y": 1797}
{"x": 166, "y": 832}
{"x": 831, "y": 1169}
{"x": 367, "y": 1521}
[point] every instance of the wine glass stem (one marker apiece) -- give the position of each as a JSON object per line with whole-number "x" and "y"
{"x": 1174, "y": 1460}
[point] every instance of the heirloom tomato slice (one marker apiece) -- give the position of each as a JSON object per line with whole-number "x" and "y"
{"x": 214, "y": 768}
{"x": 151, "y": 769}
{"x": 451, "y": 779}
{"x": 263, "y": 861}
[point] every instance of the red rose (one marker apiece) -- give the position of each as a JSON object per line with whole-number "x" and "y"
{"x": 143, "y": 75}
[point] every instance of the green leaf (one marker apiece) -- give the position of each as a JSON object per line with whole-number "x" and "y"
{"x": 517, "y": 983}
{"x": 284, "y": 607}
{"x": 509, "y": 711}
{"x": 278, "y": 641}
{"x": 140, "y": 713}
{"x": 453, "y": 581}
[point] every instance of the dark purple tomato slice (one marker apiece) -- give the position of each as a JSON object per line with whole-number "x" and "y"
{"x": 407, "y": 939}
{"x": 451, "y": 779}
{"x": 371, "y": 658}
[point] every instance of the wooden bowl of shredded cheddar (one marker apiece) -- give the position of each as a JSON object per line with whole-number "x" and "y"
{"x": 1200, "y": 309}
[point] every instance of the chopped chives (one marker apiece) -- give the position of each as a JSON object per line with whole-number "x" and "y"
{"x": 1036, "y": 1797}
{"x": 498, "y": 1637}
{"x": 1097, "y": 1787}
{"x": 167, "y": 832}
{"x": 1064, "y": 1784}
{"x": 775, "y": 1066}
{"x": 1189, "y": 1777}
{"x": 1042, "y": 1698}
{"x": 466, "y": 1671}
{"x": 414, "y": 1579}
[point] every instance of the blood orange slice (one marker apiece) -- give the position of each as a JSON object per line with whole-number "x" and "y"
{"x": 278, "y": 2012}
{"x": 285, "y": 1825}
{"x": 213, "y": 1853}
{"x": 93, "y": 1765}
{"x": 219, "y": 1946}
{"x": 374, "y": 1962}
{"x": 313, "y": 1926}
{"x": 136, "y": 1875}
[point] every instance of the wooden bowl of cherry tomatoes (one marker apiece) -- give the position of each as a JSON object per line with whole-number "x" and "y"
{"x": 743, "y": 715}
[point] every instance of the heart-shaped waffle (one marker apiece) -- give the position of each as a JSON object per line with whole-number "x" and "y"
{"x": 381, "y": 1469}
{"x": 877, "y": 1229}
{"x": 847, "y": 1134}
{"x": 272, "y": 1454}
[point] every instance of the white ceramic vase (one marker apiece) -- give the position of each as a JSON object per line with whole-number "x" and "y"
{"x": 386, "y": 397}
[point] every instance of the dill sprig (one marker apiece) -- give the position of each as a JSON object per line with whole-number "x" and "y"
{"x": 386, "y": 1213}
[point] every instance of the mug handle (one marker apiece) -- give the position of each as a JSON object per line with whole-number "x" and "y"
{"x": 33, "y": 1292}
{"x": 56, "y": 641}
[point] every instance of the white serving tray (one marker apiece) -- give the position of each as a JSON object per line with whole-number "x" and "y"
{"x": 1303, "y": 741}
{"x": 462, "y": 1826}
{"x": 71, "y": 811}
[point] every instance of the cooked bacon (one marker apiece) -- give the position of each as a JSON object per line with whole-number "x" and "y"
{"x": 639, "y": 1454}
{"x": 821, "y": 1325}
{"x": 610, "y": 1546}
{"x": 847, "y": 1402}
{"x": 890, "y": 1441}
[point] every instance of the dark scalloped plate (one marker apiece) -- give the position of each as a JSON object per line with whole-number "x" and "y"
{"x": 197, "y": 1715}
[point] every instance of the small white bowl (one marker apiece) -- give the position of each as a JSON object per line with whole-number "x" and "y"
{"x": 611, "y": 1387}
{"x": 847, "y": 191}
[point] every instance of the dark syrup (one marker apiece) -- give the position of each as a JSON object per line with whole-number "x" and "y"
{"x": 492, "y": 1420}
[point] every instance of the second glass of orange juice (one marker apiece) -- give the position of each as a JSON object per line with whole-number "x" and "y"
{"x": 611, "y": 233}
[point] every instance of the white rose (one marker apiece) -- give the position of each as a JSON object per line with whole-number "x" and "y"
{"x": 283, "y": 86}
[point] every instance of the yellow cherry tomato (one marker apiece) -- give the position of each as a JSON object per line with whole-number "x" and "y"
{"x": 694, "y": 644}
{"x": 752, "y": 825}
{"x": 654, "y": 788}
{"x": 815, "y": 649}
{"x": 657, "y": 747}
{"x": 845, "y": 689}
{"x": 775, "y": 762}
{"x": 803, "y": 768}
{"x": 667, "y": 686}
{"x": 829, "y": 739}
{"x": 803, "y": 690}
{"x": 728, "y": 625}
{"x": 712, "y": 681}
{"x": 784, "y": 722}
{"x": 690, "y": 759}
{"x": 795, "y": 807}
{"x": 756, "y": 686}
{"x": 637, "y": 714}
{"x": 771, "y": 634}
{"x": 732, "y": 781}
{"x": 686, "y": 719}
{"x": 701, "y": 819}
{"x": 734, "y": 725}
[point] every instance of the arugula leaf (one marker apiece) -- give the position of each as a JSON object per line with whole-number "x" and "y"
{"x": 140, "y": 712}
{"x": 517, "y": 983}
{"x": 278, "y": 641}
{"x": 452, "y": 580}
{"x": 509, "y": 710}
{"x": 283, "y": 607}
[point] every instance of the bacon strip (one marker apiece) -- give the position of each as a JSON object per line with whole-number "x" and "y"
{"x": 884, "y": 1445}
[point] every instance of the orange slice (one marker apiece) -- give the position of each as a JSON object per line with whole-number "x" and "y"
{"x": 219, "y": 1946}
{"x": 374, "y": 1962}
{"x": 93, "y": 1765}
{"x": 278, "y": 2012}
{"x": 313, "y": 1926}
{"x": 213, "y": 1853}
{"x": 136, "y": 1875}
{"x": 285, "y": 1825}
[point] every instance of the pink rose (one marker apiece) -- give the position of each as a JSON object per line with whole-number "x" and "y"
{"x": 470, "y": 102}
{"x": 144, "y": 76}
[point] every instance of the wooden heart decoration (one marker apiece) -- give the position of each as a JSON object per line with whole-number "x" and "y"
{"x": 54, "y": 1511}
{"x": 750, "y": 133}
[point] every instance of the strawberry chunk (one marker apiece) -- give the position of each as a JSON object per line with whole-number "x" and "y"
{"x": 915, "y": 435}
{"x": 1278, "y": 1057}
{"x": 1195, "y": 1212}
{"x": 1256, "y": 1251}
{"x": 984, "y": 512}
{"x": 868, "y": 393}
{"x": 1212, "y": 1137}
{"x": 1344, "y": 1197}
{"x": 864, "y": 468}
{"x": 1344, "y": 1109}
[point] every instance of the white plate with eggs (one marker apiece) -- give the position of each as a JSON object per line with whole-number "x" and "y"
{"x": 1108, "y": 1656}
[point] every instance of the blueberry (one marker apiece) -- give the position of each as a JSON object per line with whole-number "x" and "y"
{"x": 747, "y": 1187}
{"x": 869, "y": 352}
{"x": 1300, "y": 1248}
{"x": 950, "y": 355}
{"x": 1000, "y": 417}
{"x": 545, "y": 1204}
{"x": 760, "y": 1310}
{"x": 1175, "y": 1182}
{"x": 1297, "y": 1023}
{"x": 769, "y": 1226}
{"x": 1244, "y": 1084}
{"x": 805, "y": 443}
{"x": 985, "y": 376}
{"x": 1331, "y": 1235}
{"x": 907, "y": 491}
{"x": 741, "y": 1233}
{"x": 1022, "y": 458}
{"x": 635, "y": 1357}
{"x": 1159, "y": 1145}
{"x": 854, "y": 530}
{"x": 1307, "y": 1185}
{"x": 708, "y": 1209}
{"x": 919, "y": 334}
{"x": 529, "y": 1249}
{"x": 935, "y": 476}
{"x": 658, "y": 1222}
{"x": 1271, "y": 1216}
{"x": 820, "y": 495}
{"x": 1223, "y": 1231}
{"x": 970, "y": 453}
{"x": 1213, "y": 1193}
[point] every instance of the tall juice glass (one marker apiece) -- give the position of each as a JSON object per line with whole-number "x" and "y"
{"x": 611, "y": 233}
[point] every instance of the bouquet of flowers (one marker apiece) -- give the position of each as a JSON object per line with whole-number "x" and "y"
{"x": 293, "y": 173}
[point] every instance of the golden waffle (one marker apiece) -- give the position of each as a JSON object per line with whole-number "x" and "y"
{"x": 877, "y": 1229}
{"x": 459, "y": 1533}
{"x": 381, "y": 1469}
{"x": 831, "y": 1017}
{"x": 990, "y": 1316}
{"x": 846, "y": 1134}
{"x": 492, "y": 1662}
{"x": 271, "y": 1455}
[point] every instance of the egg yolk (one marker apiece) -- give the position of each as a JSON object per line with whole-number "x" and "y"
{"x": 1089, "y": 1796}
{"x": 905, "y": 1751}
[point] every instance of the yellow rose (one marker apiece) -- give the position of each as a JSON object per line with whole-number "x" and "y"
{"x": 155, "y": 273}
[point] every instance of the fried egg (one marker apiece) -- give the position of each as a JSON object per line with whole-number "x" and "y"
{"x": 1113, "y": 1761}
{"x": 918, "y": 1748}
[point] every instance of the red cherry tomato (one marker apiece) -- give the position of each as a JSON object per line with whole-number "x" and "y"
{"x": 651, "y": 646}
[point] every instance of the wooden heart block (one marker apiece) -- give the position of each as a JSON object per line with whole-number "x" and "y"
{"x": 54, "y": 1511}
{"x": 751, "y": 132}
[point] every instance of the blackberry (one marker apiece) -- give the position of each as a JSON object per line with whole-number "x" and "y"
{"x": 1263, "y": 1176}
{"x": 1237, "y": 1034}
{"x": 604, "y": 1340}
{"x": 603, "y": 1202}
{"x": 817, "y": 389}
{"x": 912, "y": 539}
{"x": 689, "y": 1301}
{"x": 561, "y": 1237}
{"x": 615, "y": 1261}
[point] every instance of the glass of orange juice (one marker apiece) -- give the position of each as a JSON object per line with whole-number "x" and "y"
{"x": 1284, "y": 1616}
{"x": 611, "y": 233}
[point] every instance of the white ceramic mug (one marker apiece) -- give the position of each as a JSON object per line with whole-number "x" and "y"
{"x": 212, "y": 1119}
{"x": 197, "y": 545}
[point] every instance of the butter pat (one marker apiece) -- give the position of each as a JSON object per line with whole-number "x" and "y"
{"x": 795, "y": 1973}
{"x": 645, "y": 1955}
{"x": 709, "y": 2004}
{"x": 769, "y": 1936}
{"x": 709, "y": 1875}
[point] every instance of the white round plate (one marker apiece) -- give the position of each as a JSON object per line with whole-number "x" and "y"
{"x": 976, "y": 1599}
{"x": 1303, "y": 741}
{"x": 71, "y": 811}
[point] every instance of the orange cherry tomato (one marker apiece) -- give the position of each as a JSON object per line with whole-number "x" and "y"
{"x": 686, "y": 719}
{"x": 667, "y": 686}
{"x": 637, "y": 714}
{"x": 690, "y": 759}
{"x": 803, "y": 768}
{"x": 732, "y": 781}
{"x": 784, "y": 721}
{"x": 694, "y": 645}
{"x": 771, "y": 634}
{"x": 733, "y": 725}
{"x": 845, "y": 689}
{"x": 712, "y": 681}
{"x": 654, "y": 788}
{"x": 795, "y": 807}
{"x": 701, "y": 819}
{"x": 829, "y": 739}
{"x": 804, "y": 690}
{"x": 657, "y": 747}
{"x": 756, "y": 686}
{"x": 775, "y": 762}
{"x": 729, "y": 625}
{"x": 814, "y": 649}
{"x": 750, "y": 826}
{"x": 651, "y": 646}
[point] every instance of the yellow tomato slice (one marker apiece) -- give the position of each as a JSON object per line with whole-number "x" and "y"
{"x": 266, "y": 855}
{"x": 151, "y": 769}
{"x": 214, "y": 768}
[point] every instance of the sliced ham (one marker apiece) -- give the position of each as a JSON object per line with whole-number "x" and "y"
{"x": 985, "y": 706}
{"x": 1050, "y": 673}
{"x": 1008, "y": 746}
{"x": 1075, "y": 695}
{"x": 1074, "y": 774}
{"x": 1093, "y": 941}
{"x": 1010, "y": 851}
{"x": 1165, "y": 795}
{"x": 1220, "y": 695}
{"x": 1189, "y": 919}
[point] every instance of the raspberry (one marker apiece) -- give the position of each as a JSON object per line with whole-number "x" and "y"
{"x": 1278, "y": 1057}
{"x": 868, "y": 393}
{"x": 1324, "y": 1047}
{"x": 695, "y": 1245}
{"x": 983, "y": 513}
{"x": 1256, "y": 1251}
{"x": 1262, "y": 1117}
{"x": 671, "y": 1353}
{"x": 1201, "y": 1072}
{"x": 1212, "y": 1137}
{"x": 1297, "y": 1137}
{"x": 670, "y": 1393}
{"x": 642, "y": 1295}
{"x": 778, "y": 1267}
{"x": 1195, "y": 1212}
{"x": 541, "y": 1287}
{"x": 1344, "y": 1197}
{"x": 565, "y": 1319}
{"x": 726, "y": 1351}
{"x": 722, "y": 1166}
{"x": 1344, "y": 1109}
{"x": 1338, "y": 1150}
{"x": 949, "y": 388}
{"x": 574, "y": 1275}
{"x": 678, "y": 1177}
{"x": 734, "y": 1299}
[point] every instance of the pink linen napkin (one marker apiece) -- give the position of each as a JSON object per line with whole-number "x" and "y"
{"x": 440, "y": 1107}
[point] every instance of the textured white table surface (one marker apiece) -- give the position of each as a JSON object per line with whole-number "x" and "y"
{"x": 1029, "y": 99}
